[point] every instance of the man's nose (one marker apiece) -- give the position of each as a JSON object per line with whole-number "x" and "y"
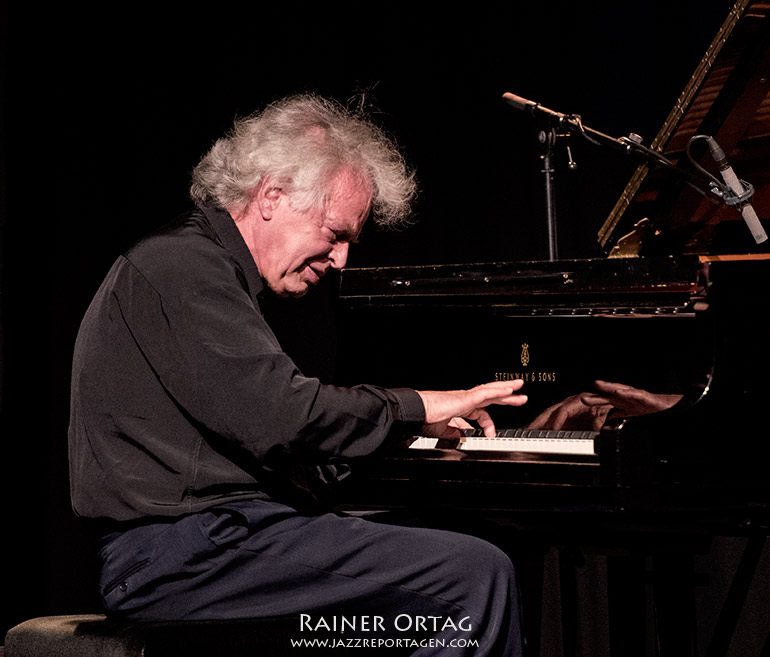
{"x": 339, "y": 254}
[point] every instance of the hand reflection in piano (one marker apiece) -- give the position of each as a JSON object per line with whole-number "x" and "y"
{"x": 590, "y": 410}
{"x": 447, "y": 412}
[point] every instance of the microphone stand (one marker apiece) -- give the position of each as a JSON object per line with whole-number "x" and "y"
{"x": 548, "y": 139}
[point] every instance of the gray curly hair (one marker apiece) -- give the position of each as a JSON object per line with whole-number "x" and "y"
{"x": 302, "y": 142}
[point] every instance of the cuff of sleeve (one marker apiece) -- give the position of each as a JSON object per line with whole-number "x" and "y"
{"x": 410, "y": 406}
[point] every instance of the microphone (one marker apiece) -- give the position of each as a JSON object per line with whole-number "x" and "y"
{"x": 518, "y": 102}
{"x": 735, "y": 185}
{"x": 531, "y": 106}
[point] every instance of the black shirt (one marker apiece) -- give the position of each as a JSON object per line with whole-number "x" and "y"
{"x": 182, "y": 397}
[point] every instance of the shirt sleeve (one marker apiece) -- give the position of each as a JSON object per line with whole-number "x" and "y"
{"x": 215, "y": 355}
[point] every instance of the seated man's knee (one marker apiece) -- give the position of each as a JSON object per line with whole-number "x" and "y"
{"x": 481, "y": 564}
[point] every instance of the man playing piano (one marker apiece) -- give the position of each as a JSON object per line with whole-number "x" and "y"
{"x": 198, "y": 451}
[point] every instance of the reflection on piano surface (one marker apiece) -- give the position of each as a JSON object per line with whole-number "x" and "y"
{"x": 680, "y": 320}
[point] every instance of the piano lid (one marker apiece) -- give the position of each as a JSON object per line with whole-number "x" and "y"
{"x": 728, "y": 98}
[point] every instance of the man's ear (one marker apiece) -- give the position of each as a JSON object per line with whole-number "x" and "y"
{"x": 267, "y": 197}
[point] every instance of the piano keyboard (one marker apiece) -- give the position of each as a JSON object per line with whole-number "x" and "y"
{"x": 518, "y": 440}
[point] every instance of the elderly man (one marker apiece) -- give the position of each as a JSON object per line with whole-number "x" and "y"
{"x": 197, "y": 447}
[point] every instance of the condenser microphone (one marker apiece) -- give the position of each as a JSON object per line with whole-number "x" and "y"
{"x": 733, "y": 182}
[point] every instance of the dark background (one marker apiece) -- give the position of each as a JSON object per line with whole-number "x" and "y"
{"x": 105, "y": 111}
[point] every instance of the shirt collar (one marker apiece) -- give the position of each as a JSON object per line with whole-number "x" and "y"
{"x": 225, "y": 228}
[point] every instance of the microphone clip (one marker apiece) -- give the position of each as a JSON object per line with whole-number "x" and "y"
{"x": 728, "y": 195}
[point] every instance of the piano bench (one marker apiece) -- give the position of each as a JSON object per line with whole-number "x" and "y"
{"x": 96, "y": 636}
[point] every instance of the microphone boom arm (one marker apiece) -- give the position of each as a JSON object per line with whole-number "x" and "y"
{"x": 735, "y": 193}
{"x": 629, "y": 145}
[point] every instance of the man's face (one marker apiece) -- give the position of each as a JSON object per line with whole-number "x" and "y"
{"x": 293, "y": 250}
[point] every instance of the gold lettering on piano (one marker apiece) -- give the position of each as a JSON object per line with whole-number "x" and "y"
{"x": 527, "y": 377}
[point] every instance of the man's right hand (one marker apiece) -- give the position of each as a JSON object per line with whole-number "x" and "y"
{"x": 448, "y": 411}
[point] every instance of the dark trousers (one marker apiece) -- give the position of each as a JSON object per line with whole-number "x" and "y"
{"x": 343, "y": 576}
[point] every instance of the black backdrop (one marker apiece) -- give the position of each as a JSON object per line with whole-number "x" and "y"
{"x": 106, "y": 110}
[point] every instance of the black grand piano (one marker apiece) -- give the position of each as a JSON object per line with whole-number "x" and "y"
{"x": 674, "y": 308}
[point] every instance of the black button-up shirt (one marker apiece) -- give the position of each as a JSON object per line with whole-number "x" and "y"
{"x": 182, "y": 397}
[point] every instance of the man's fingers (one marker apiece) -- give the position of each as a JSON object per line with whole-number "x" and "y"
{"x": 513, "y": 384}
{"x": 539, "y": 421}
{"x": 485, "y": 422}
{"x": 498, "y": 392}
{"x": 611, "y": 388}
{"x": 460, "y": 423}
{"x": 591, "y": 399}
{"x": 558, "y": 419}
